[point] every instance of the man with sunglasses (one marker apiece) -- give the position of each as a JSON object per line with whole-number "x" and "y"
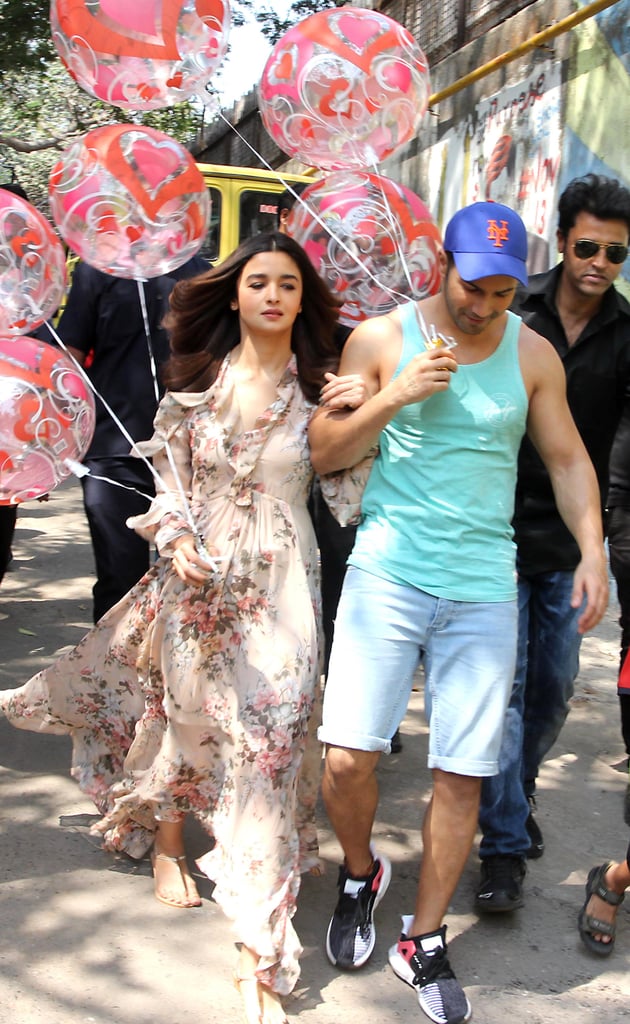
{"x": 577, "y": 308}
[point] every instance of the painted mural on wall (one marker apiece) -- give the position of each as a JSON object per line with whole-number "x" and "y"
{"x": 524, "y": 144}
{"x": 508, "y": 151}
{"x": 597, "y": 119}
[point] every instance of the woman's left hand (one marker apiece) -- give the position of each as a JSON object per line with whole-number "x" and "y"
{"x": 189, "y": 564}
{"x": 348, "y": 392}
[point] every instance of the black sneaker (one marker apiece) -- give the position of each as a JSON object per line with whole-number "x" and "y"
{"x": 501, "y": 887}
{"x": 351, "y": 933}
{"x": 537, "y": 847}
{"x": 422, "y": 962}
{"x": 626, "y": 805}
{"x": 396, "y": 743}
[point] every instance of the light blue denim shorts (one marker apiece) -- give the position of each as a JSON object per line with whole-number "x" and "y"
{"x": 382, "y": 629}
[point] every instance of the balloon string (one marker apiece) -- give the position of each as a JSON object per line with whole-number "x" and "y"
{"x": 392, "y": 221}
{"x": 80, "y": 471}
{"x": 147, "y": 334}
{"x": 396, "y": 295}
{"x": 169, "y": 454}
{"x": 167, "y": 447}
{"x": 87, "y": 380}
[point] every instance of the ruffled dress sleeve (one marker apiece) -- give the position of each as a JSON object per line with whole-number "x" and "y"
{"x": 169, "y": 516}
{"x": 343, "y": 490}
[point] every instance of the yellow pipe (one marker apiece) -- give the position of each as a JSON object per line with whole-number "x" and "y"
{"x": 565, "y": 25}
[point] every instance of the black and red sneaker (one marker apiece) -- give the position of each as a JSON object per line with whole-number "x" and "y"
{"x": 351, "y": 933}
{"x": 421, "y": 961}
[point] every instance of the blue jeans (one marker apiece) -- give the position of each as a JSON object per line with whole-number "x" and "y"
{"x": 547, "y": 664}
{"x": 469, "y": 653}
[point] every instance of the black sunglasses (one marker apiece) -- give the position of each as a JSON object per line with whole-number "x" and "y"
{"x": 585, "y": 249}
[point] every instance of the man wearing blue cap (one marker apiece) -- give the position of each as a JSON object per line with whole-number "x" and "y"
{"x": 454, "y": 382}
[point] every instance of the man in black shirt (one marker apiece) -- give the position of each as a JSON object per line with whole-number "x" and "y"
{"x": 576, "y": 307}
{"x": 104, "y": 329}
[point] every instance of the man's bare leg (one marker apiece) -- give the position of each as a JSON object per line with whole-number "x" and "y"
{"x": 448, "y": 834}
{"x": 350, "y": 793}
{"x": 420, "y": 957}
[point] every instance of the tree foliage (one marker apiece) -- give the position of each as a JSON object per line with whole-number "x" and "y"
{"x": 273, "y": 25}
{"x": 25, "y": 27}
{"x": 42, "y": 109}
{"x": 25, "y": 34}
{"x": 41, "y": 113}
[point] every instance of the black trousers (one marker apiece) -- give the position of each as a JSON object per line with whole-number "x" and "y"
{"x": 8, "y": 516}
{"x": 618, "y": 528}
{"x": 121, "y": 557}
{"x": 335, "y": 544}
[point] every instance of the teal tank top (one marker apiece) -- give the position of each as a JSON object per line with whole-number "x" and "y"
{"x": 438, "y": 504}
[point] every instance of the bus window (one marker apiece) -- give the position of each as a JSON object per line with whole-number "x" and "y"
{"x": 210, "y": 247}
{"x": 258, "y": 212}
{"x": 244, "y": 203}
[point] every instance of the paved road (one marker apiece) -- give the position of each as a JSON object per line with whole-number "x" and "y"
{"x": 82, "y": 939}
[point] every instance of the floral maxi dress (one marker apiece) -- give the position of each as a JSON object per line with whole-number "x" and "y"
{"x": 198, "y": 699}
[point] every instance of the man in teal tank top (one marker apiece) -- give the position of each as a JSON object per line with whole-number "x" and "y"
{"x": 453, "y": 383}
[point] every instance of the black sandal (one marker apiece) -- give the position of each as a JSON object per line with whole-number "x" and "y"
{"x": 590, "y": 926}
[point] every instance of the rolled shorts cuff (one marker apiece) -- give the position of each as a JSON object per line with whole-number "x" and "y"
{"x": 353, "y": 741}
{"x": 463, "y": 766}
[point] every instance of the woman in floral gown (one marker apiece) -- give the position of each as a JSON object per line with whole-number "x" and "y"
{"x": 194, "y": 693}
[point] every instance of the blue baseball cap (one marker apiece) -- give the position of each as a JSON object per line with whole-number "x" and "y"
{"x": 487, "y": 239}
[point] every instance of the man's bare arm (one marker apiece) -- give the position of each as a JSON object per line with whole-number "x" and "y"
{"x": 576, "y": 490}
{"x": 341, "y": 438}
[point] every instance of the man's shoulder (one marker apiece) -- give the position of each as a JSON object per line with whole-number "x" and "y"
{"x": 536, "y": 352}
{"x": 377, "y": 329}
{"x": 532, "y": 338}
{"x": 373, "y": 345}
{"x": 191, "y": 268}
{"x": 623, "y": 305}
{"x": 85, "y": 275}
{"x": 538, "y": 288}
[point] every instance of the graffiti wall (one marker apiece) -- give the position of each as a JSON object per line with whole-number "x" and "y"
{"x": 508, "y": 150}
{"x": 523, "y": 144}
{"x": 596, "y": 133}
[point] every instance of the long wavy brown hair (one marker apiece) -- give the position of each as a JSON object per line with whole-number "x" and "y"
{"x": 203, "y": 328}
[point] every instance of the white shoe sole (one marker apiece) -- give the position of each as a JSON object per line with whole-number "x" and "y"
{"x": 383, "y": 887}
{"x": 402, "y": 970}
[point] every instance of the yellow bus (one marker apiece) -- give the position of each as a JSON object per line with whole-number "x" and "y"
{"x": 244, "y": 203}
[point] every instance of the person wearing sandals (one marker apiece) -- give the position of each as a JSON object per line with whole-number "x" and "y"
{"x": 194, "y": 694}
{"x": 605, "y": 892}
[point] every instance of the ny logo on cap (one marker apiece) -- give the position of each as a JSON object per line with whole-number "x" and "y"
{"x": 498, "y": 232}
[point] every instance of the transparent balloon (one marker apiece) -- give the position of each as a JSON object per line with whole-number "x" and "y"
{"x": 344, "y": 89}
{"x": 141, "y": 54}
{"x": 130, "y": 201}
{"x": 32, "y": 266}
{"x": 46, "y": 417}
{"x": 372, "y": 240}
